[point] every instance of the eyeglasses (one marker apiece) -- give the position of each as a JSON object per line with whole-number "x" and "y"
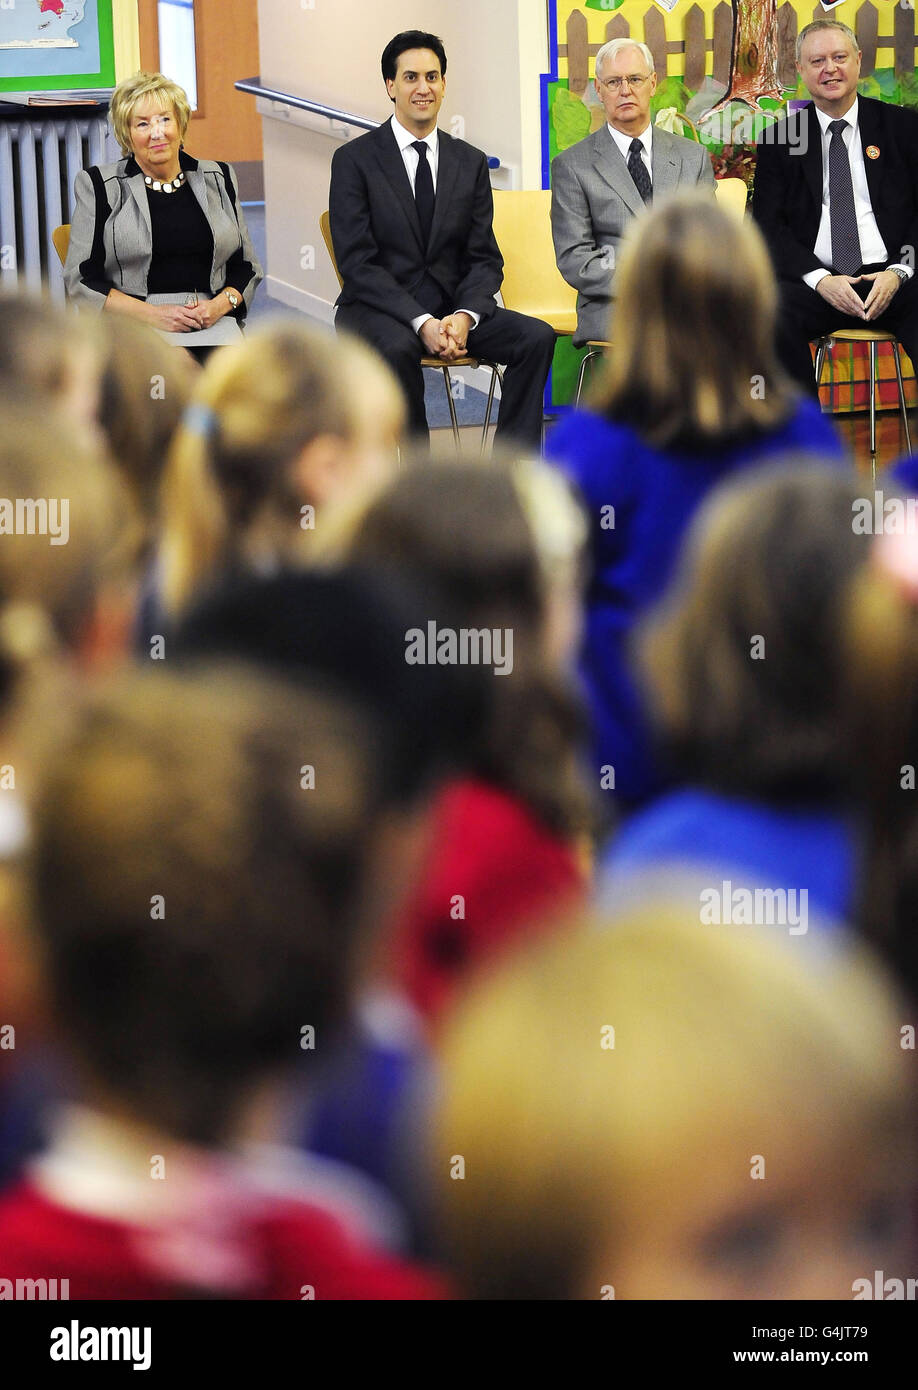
{"x": 635, "y": 81}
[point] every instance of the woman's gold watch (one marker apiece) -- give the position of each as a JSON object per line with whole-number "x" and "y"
{"x": 233, "y": 298}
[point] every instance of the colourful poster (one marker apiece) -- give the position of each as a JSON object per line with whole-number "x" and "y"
{"x": 54, "y": 45}
{"x": 725, "y": 72}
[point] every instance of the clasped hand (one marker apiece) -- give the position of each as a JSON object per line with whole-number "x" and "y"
{"x": 837, "y": 290}
{"x": 446, "y": 338}
{"x": 184, "y": 318}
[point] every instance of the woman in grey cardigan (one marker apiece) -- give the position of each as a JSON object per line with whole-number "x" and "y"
{"x": 159, "y": 235}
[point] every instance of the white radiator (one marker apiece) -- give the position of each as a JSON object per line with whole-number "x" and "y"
{"x": 39, "y": 160}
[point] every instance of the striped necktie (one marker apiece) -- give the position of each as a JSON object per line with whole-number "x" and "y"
{"x": 846, "y": 244}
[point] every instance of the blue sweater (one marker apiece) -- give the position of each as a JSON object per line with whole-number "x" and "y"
{"x": 760, "y": 845}
{"x": 654, "y": 496}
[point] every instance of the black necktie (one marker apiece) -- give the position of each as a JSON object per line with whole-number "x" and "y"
{"x": 846, "y": 244}
{"x": 638, "y": 170}
{"x": 423, "y": 190}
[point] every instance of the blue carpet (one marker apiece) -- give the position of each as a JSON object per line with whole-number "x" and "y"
{"x": 470, "y": 406}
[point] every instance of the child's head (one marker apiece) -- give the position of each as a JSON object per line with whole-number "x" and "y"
{"x": 693, "y": 331}
{"x": 276, "y": 429}
{"x": 744, "y": 660}
{"x": 376, "y": 407}
{"x": 880, "y": 651}
{"x": 492, "y": 545}
{"x": 144, "y": 390}
{"x": 670, "y": 1110}
{"x": 494, "y": 552}
{"x": 200, "y": 872}
{"x": 55, "y": 355}
{"x": 69, "y": 544}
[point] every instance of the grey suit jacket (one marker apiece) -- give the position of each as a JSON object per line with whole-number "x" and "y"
{"x": 111, "y": 236}
{"x": 593, "y": 199}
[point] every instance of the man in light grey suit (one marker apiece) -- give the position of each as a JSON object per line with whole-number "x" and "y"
{"x": 600, "y": 183}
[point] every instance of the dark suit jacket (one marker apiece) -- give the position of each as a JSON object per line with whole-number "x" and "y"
{"x": 377, "y": 236}
{"x": 787, "y": 197}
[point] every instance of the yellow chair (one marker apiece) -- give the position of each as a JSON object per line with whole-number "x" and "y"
{"x": 871, "y": 336}
{"x": 532, "y": 284}
{"x": 731, "y": 194}
{"x": 434, "y": 363}
{"x": 61, "y": 238}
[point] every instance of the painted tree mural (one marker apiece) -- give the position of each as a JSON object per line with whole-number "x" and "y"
{"x": 754, "y": 65}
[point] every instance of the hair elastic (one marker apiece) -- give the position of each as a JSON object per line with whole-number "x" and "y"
{"x": 200, "y": 419}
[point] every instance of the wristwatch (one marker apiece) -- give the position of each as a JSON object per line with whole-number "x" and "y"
{"x": 233, "y": 298}
{"x": 897, "y": 270}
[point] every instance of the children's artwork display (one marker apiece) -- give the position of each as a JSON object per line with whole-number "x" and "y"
{"x": 56, "y": 45}
{"x": 725, "y": 71}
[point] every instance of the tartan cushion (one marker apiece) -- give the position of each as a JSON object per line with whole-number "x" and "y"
{"x": 846, "y": 378}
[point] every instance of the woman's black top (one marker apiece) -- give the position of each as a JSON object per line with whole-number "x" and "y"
{"x": 183, "y": 244}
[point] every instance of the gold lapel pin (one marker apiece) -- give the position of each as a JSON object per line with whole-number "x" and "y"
{"x": 872, "y": 152}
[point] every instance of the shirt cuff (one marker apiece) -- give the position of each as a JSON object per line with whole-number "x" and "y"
{"x": 418, "y": 323}
{"x": 476, "y": 318}
{"x": 896, "y": 265}
{"x": 813, "y": 277}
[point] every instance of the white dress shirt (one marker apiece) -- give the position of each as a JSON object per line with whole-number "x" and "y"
{"x": 412, "y": 159}
{"x": 624, "y": 144}
{"x": 873, "y": 247}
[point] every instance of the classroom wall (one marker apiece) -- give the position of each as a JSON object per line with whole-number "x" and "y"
{"x": 330, "y": 52}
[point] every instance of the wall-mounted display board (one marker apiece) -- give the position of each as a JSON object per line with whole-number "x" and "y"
{"x": 58, "y": 46}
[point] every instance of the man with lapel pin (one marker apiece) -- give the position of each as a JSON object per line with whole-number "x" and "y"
{"x": 410, "y": 210}
{"x": 606, "y": 179}
{"x": 836, "y": 195}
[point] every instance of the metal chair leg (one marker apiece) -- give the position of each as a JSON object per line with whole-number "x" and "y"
{"x": 873, "y": 407}
{"x": 588, "y": 357}
{"x": 496, "y": 375}
{"x": 821, "y": 359}
{"x": 902, "y": 407}
{"x": 452, "y": 405}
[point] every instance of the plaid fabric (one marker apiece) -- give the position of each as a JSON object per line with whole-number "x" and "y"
{"x": 846, "y": 378}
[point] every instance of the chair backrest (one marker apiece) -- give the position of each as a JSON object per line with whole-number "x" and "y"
{"x": 61, "y": 238}
{"x": 325, "y": 225}
{"x": 532, "y": 281}
{"x": 732, "y": 194}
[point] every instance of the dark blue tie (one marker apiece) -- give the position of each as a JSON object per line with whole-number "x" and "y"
{"x": 846, "y": 244}
{"x": 423, "y": 190}
{"x": 638, "y": 170}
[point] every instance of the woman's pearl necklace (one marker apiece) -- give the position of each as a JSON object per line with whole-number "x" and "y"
{"x": 159, "y": 187}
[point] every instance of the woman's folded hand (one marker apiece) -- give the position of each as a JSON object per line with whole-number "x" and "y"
{"x": 175, "y": 318}
{"x": 208, "y": 311}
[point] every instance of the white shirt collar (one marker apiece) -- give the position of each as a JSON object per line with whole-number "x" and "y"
{"x": 824, "y": 121}
{"x": 406, "y": 139}
{"x": 624, "y": 141}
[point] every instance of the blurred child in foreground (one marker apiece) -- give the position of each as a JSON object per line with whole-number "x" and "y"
{"x": 664, "y": 1110}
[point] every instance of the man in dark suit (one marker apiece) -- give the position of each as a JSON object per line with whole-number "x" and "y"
{"x": 836, "y": 196}
{"x": 411, "y": 210}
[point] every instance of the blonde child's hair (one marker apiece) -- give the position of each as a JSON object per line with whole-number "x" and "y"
{"x": 49, "y": 579}
{"x": 255, "y": 408}
{"x": 567, "y": 1130}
